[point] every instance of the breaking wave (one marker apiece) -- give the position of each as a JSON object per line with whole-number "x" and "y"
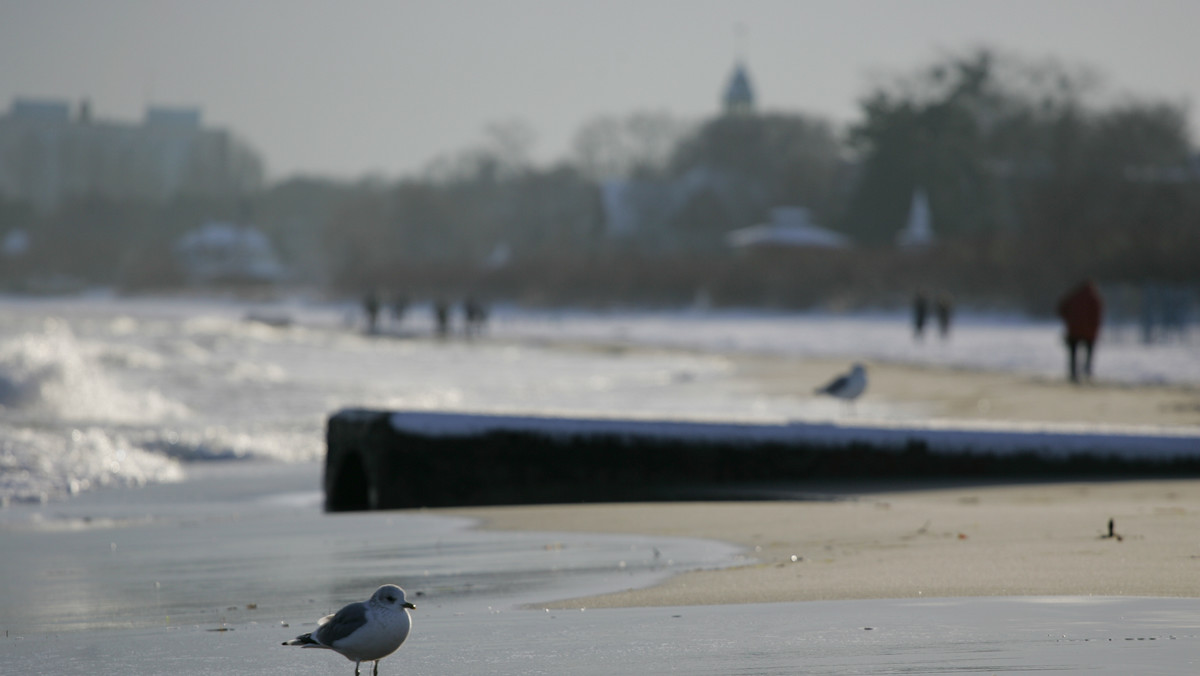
{"x": 37, "y": 465}
{"x": 50, "y": 374}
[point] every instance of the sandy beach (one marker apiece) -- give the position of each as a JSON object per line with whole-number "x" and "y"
{"x": 960, "y": 394}
{"x": 862, "y": 541}
{"x": 898, "y": 543}
{"x": 210, "y": 574}
{"x": 876, "y": 541}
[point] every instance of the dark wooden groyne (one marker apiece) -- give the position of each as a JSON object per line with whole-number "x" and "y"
{"x": 403, "y": 459}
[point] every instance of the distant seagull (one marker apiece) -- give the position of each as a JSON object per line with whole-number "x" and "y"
{"x": 364, "y": 631}
{"x": 849, "y": 386}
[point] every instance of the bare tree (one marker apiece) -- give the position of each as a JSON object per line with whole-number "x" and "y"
{"x": 639, "y": 144}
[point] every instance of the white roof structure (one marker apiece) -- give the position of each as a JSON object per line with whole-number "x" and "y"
{"x": 918, "y": 231}
{"x": 789, "y": 227}
{"x": 225, "y": 251}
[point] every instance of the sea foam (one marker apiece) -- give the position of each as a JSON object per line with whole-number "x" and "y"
{"x": 51, "y": 374}
{"x": 36, "y": 465}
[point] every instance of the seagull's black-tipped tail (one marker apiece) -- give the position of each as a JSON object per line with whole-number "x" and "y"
{"x": 303, "y": 640}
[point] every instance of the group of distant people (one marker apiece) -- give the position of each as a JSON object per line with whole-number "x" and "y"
{"x": 1164, "y": 312}
{"x": 372, "y": 306}
{"x": 943, "y": 309}
{"x": 1081, "y": 310}
{"x": 475, "y": 314}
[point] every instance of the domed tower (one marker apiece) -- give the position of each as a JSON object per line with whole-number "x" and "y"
{"x": 739, "y": 95}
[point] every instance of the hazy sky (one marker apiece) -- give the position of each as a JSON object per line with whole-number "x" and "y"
{"x": 355, "y": 87}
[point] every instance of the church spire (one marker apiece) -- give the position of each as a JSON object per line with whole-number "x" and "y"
{"x": 738, "y": 98}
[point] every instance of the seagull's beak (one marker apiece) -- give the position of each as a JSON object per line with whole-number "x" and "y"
{"x": 409, "y": 605}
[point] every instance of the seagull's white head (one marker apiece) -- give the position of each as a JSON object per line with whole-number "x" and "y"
{"x": 390, "y": 596}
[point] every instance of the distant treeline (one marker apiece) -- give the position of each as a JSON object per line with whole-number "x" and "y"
{"x": 1032, "y": 184}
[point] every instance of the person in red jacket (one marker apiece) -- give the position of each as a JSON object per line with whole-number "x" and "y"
{"x": 1081, "y": 310}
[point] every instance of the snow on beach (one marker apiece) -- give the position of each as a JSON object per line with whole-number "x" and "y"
{"x": 981, "y": 342}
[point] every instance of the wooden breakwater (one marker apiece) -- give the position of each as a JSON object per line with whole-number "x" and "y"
{"x": 403, "y": 459}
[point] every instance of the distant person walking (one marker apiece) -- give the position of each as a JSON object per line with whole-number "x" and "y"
{"x": 474, "y": 317}
{"x": 371, "y": 308}
{"x": 441, "y": 315}
{"x": 1081, "y": 311}
{"x": 944, "y": 308}
{"x": 920, "y": 311}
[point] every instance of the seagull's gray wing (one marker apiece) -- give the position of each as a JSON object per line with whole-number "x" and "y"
{"x": 342, "y": 623}
{"x": 836, "y": 385}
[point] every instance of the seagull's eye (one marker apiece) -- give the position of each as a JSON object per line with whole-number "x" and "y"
{"x": 391, "y": 598}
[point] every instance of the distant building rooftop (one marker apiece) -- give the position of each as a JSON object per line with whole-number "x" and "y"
{"x": 175, "y": 117}
{"x": 43, "y": 110}
{"x": 790, "y": 227}
{"x": 51, "y": 151}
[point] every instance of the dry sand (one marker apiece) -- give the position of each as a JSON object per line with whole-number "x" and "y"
{"x": 909, "y": 541}
{"x": 1045, "y": 539}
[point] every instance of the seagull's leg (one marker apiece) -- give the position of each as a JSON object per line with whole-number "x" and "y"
{"x": 356, "y": 663}
{"x": 376, "y": 671}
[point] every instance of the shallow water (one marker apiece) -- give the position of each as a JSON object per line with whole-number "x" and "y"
{"x": 203, "y": 551}
{"x": 210, "y": 575}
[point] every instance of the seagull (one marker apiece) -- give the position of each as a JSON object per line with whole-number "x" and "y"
{"x": 848, "y": 386}
{"x": 364, "y": 631}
